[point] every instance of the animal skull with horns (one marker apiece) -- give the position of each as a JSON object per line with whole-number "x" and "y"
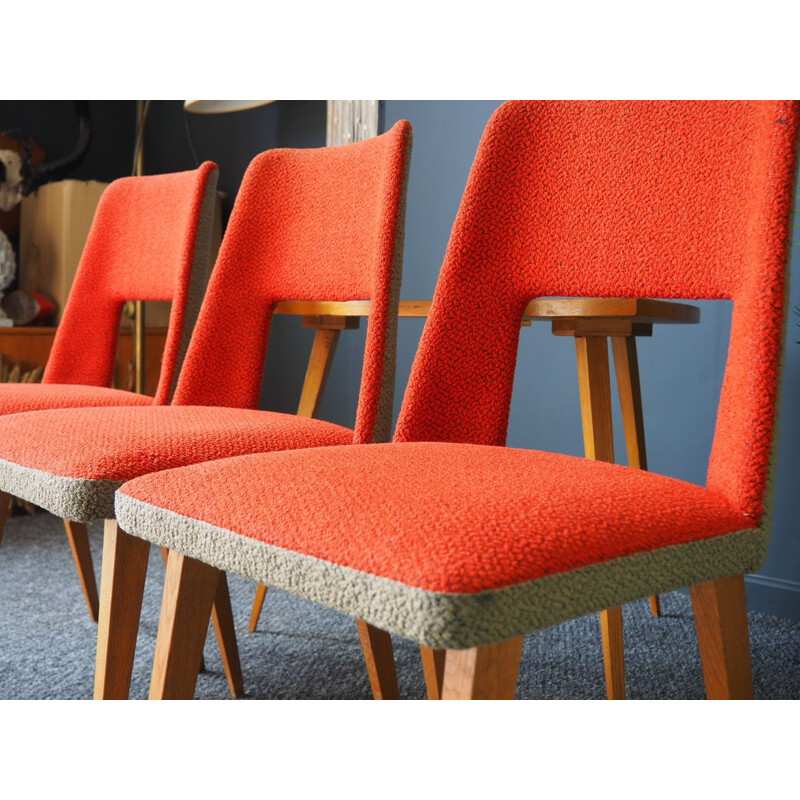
{"x": 19, "y": 176}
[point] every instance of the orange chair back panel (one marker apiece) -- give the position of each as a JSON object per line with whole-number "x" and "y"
{"x": 615, "y": 199}
{"x": 321, "y": 224}
{"x": 149, "y": 241}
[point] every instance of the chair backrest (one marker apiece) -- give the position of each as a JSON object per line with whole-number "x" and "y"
{"x": 314, "y": 224}
{"x": 615, "y": 199}
{"x": 150, "y": 240}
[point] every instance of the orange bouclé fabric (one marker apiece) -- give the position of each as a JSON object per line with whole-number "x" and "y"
{"x": 141, "y": 247}
{"x": 615, "y": 199}
{"x": 444, "y": 518}
{"x": 20, "y": 397}
{"x": 454, "y": 541}
{"x": 308, "y": 225}
{"x": 120, "y": 443}
{"x": 316, "y": 224}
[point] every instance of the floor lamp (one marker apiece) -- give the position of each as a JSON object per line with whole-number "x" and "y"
{"x": 142, "y": 109}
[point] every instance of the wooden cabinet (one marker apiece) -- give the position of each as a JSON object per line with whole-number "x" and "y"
{"x": 30, "y": 347}
{"x": 55, "y": 224}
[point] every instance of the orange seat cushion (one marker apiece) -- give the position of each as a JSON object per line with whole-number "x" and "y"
{"x": 16, "y": 398}
{"x": 69, "y": 461}
{"x": 121, "y": 443}
{"x": 443, "y": 517}
{"x": 453, "y": 545}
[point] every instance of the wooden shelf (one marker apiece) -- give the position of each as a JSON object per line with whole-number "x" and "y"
{"x": 30, "y": 347}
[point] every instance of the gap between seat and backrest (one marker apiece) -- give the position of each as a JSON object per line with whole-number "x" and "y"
{"x": 615, "y": 199}
{"x": 150, "y": 240}
{"x": 315, "y": 224}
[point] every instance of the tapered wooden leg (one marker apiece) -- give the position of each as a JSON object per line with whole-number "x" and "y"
{"x": 121, "y": 592}
{"x": 189, "y": 590}
{"x": 720, "y": 616}
{"x": 78, "y": 538}
{"x": 319, "y": 365}
{"x": 258, "y": 604}
{"x": 6, "y": 504}
{"x": 626, "y": 362}
{"x": 595, "y": 392}
{"x": 483, "y": 673}
{"x": 655, "y": 605}
{"x": 598, "y": 438}
{"x": 379, "y": 656}
{"x": 222, "y": 617}
{"x": 613, "y": 652}
{"x": 433, "y": 669}
{"x": 165, "y": 558}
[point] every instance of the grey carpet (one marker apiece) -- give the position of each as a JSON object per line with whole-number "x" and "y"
{"x": 303, "y": 651}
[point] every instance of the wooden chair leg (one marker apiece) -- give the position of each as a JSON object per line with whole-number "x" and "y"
{"x": 626, "y": 362}
{"x": 6, "y": 504}
{"x": 595, "y": 392}
{"x": 655, "y": 605}
{"x": 225, "y": 631}
{"x": 190, "y": 587}
{"x": 613, "y": 652}
{"x": 483, "y": 673}
{"x": 598, "y": 437}
{"x": 378, "y": 653}
{"x": 258, "y": 604}
{"x": 319, "y": 365}
{"x": 165, "y": 558}
{"x": 78, "y": 538}
{"x": 222, "y": 617}
{"x": 720, "y": 617}
{"x": 121, "y": 590}
{"x": 433, "y": 669}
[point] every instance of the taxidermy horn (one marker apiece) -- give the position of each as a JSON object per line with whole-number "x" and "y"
{"x": 35, "y": 176}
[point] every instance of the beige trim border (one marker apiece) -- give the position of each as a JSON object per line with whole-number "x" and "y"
{"x": 198, "y": 280}
{"x": 75, "y": 499}
{"x": 382, "y": 425}
{"x": 439, "y": 619}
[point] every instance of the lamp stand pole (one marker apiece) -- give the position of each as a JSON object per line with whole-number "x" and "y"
{"x": 142, "y": 108}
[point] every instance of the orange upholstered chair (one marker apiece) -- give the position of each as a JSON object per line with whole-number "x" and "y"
{"x": 316, "y": 224}
{"x": 149, "y": 240}
{"x": 453, "y": 541}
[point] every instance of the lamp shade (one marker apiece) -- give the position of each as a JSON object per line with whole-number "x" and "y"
{"x": 221, "y": 106}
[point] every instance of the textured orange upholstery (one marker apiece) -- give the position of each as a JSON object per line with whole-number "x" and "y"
{"x": 120, "y": 443}
{"x": 149, "y": 240}
{"x": 439, "y": 517}
{"x": 307, "y": 225}
{"x": 323, "y": 224}
{"x": 615, "y": 199}
{"x": 18, "y": 397}
{"x": 457, "y": 545}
